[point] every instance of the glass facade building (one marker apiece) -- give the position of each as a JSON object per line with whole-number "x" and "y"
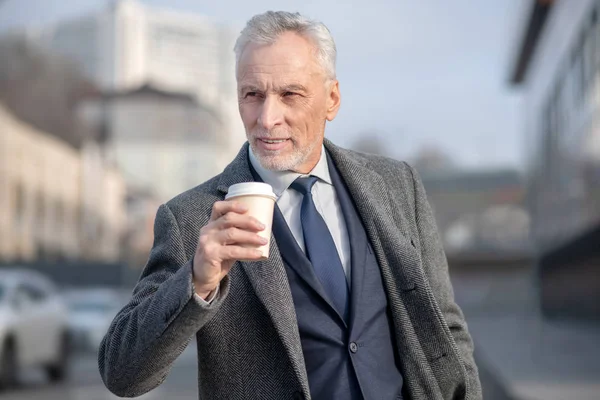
{"x": 558, "y": 68}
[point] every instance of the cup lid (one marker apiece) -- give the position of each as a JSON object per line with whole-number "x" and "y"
{"x": 250, "y": 188}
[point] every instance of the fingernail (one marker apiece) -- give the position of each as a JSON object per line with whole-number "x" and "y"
{"x": 264, "y": 240}
{"x": 260, "y": 225}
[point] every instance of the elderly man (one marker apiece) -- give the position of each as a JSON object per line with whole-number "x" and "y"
{"x": 354, "y": 301}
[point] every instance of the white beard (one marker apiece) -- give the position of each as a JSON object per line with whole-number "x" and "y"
{"x": 279, "y": 162}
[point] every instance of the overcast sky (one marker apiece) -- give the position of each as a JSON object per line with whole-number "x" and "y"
{"x": 415, "y": 72}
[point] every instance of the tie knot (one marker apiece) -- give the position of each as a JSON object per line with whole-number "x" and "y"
{"x": 305, "y": 184}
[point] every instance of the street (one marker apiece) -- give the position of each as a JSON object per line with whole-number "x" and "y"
{"x": 85, "y": 383}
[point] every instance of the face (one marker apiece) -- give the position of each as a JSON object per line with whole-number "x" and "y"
{"x": 285, "y": 100}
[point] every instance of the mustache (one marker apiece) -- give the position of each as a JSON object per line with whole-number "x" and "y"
{"x": 270, "y": 134}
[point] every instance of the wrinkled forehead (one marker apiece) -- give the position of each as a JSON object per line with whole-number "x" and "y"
{"x": 290, "y": 56}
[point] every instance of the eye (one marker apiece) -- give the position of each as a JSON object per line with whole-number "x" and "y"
{"x": 290, "y": 94}
{"x": 250, "y": 94}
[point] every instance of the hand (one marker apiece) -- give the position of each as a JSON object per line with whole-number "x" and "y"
{"x": 229, "y": 236}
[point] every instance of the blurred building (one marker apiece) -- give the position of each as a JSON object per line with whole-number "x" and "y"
{"x": 141, "y": 206}
{"x": 162, "y": 141}
{"x": 56, "y": 202}
{"x": 557, "y": 65}
{"x": 129, "y": 44}
{"x": 479, "y": 213}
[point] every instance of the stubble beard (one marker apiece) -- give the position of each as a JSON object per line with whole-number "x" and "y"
{"x": 275, "y": 161}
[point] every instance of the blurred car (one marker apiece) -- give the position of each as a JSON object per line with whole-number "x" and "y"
{"x": 90, "y": 313}
{"x": 33, "y": 326}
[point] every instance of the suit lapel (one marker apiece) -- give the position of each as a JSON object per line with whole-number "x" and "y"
{"x": 269, "y": 279}
{"x": 296, "y": 259}
{"x": 291, "y": 253}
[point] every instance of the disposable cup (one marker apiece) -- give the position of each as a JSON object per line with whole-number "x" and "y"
{"x": 260, "y": 200}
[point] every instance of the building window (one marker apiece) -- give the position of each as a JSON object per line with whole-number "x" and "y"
{"x": 587, "y": 56}
{"x": 596, "y": 35}
{"x": 20, "y": 206}
{"x": 40, "y": 206}
{"x": 59, "y": 212}
{"x": 577, "y": 72}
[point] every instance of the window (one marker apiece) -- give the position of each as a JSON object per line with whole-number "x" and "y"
{"x": 33, "y": 293}
{"x": 588, "y": 57}
{"x": 596, "y": 35}
{"x": 20, "y": 207}
{"x": 59, "y": 219}
{"x": 28, "y": 294}
{"x": 577, "y": 72}
{"x": 40, "y": 206}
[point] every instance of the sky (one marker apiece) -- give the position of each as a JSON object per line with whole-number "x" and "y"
{"x": 413, "y": 73}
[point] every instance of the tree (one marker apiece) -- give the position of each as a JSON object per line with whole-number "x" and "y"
{"x": 41, "y": 88}
{"x": 431, "y": 160}
{"x": 370, "y": 142}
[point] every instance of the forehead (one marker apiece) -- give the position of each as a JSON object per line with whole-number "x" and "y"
{"x": 290, "y": 58}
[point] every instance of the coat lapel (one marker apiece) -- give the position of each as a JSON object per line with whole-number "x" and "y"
{"x": 359, "y": 246}
{"x": 399, "y": 261}
{"x": 269, "y": 279}
{"x": 368, "y": 190}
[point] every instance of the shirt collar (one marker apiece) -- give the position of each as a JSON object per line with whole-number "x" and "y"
{"x": 281, "y": 180}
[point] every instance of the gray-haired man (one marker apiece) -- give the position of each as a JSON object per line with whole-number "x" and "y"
{"x": 355, "y": 300}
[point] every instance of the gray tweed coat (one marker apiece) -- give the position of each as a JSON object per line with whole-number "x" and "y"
{"x": 248, "y": 340}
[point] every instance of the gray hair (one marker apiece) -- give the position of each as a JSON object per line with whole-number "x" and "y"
{"x": 266, "y": 28}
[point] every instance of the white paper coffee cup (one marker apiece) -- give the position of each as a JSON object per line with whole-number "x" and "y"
{"x": 260, "y": 200}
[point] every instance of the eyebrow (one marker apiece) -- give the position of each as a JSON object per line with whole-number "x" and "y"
{"x": 285, "y": 88}
{"x": 249, "y": 88}
{"x": 292, "y": 88}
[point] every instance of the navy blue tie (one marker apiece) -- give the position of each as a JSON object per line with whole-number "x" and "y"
{"x": 320, "y": 248}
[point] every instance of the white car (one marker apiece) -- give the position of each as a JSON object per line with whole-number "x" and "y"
{"x": 33, "y": 326}
{"x": 91, "y": 313}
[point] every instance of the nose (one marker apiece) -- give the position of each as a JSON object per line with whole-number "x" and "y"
{"x": 271, "y": 113}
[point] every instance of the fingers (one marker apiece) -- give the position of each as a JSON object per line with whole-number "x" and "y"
{"x": 239, "y": 253}
{"x": 239, "y": 237}
{"x": 241, "y": 221}
{"x": 231, "y": 234}
{"x": 221, "y": 208}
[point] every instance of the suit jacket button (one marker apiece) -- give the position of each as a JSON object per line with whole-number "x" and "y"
{"x": 298, "y": 396}
{"x": 353, "y": 347}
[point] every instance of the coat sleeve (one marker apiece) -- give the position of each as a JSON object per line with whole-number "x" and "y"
{"x": 150, "y": 332}
{"x": 436, "y": 269}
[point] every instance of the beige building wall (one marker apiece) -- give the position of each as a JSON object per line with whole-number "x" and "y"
{"x": 42, "y": 190}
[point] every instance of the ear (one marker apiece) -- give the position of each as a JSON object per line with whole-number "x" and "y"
{"x": 334, "y": 100}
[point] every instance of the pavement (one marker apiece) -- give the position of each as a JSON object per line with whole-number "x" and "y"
{"x": 533, "y": 358}
{"x": 84, "y": 382}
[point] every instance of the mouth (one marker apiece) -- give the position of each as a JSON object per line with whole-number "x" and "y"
{"x": 272, "y": 144}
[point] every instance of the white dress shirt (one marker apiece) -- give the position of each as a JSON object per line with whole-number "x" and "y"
{"x": 326, "y": 201}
